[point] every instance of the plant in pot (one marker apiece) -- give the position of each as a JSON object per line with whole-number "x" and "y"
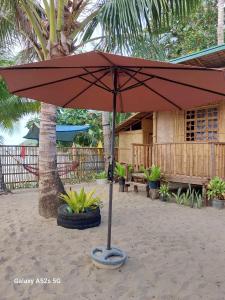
{"x": 164, "y": 192}
{"x": 130, "y": 170}
{"x": 216, "y": 191}
{"x": 81, "y": 211}
{"x": 101, "y": 178}
{"x": 120, "y": 171}
{"x": 153, "y": 177}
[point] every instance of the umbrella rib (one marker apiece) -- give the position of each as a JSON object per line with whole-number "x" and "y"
{"x": 131, "y": 76}
{"x": 84, "y": 90}
{"x": 105, "y": 85}
{"x": 177, "y": 82}
{"x": 136, "y": 84}
{"x": 157, "y": 93}
{"x": 112, "y": 64}
{"x": 106, "y": 58}
{"x": 98, "y": 85}
{"x": 56, "y": 81}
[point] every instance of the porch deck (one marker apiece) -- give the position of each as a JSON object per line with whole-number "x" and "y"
{"x": 189, "y": 162}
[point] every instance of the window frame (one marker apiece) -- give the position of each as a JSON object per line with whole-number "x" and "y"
{"x": 205, "y": 120}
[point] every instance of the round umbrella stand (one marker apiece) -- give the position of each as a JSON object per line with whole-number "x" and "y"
{"x": 108, "y": 259}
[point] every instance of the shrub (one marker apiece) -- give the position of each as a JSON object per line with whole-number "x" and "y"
{"x": 154, "y": 174}
{"x": 120, "y": 170}
{"x": 101, "y": 175}
{"x": 164, "y": 190}
{"x": 190, "y": 198}
{"x": 216, "y": 188}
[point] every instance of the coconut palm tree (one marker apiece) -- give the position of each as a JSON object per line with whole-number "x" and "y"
{"x": 56, "y": 28}
{"x": 220, "y": 24}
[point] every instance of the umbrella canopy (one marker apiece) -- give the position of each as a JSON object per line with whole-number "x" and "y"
{"x": 85, "y": 81}
{"x": 101, "y": 81}
{"x": 64, "y": 133}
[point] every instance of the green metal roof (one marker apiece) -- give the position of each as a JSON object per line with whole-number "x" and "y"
{"x": 198, "y": 54}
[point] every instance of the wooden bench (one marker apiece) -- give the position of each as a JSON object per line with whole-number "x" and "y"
{"x": 136, "y": 185}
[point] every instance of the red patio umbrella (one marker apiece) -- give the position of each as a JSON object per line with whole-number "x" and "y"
{"x": 108, "y": 82}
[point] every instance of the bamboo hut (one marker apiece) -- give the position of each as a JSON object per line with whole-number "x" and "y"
{"x": 189, "y": 146}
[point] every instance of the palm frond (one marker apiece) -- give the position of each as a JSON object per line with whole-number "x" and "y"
{"x": 124, "y": 21}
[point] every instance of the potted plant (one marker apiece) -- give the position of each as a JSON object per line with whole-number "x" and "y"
{"x": 153, "y": 177}
{"x": 101, "y": 178}
{"x": 81, "y": 211}
{"x": 164, "y": 192}
{"x": 130, "y": 170}
{"x": 120, "y": 171}
{"x": 216, "y": 190}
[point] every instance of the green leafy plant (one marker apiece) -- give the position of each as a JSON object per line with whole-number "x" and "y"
{"x": 216, "y": 188}
{"x": 178, "y": 196}
{"x": 190, "y": 198}
{"x": 120, "y": 170}
{"x": 79, "y": 202}
{"x": 164, "y": 190}
{"x": 153, "y": 174}
{"x": 130, "y": 169}
{"x": 101, "y": 175}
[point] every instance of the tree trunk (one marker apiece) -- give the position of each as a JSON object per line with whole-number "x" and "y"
{"x": 50, "y": 184}
{"x": 220, "y": 25}
{"x": 106, "y": 137}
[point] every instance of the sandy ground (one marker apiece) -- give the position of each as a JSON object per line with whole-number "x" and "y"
{"x": 174, "y": 252}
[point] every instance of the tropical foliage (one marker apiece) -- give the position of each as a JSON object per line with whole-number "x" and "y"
{"x": 184, "y": 36}
{"x": 101, "y": 175}
{"x": 190, "y": 198}
{"x": 120, "y": 170}
{"x": 216, "y": 188}
{"x": 81, "y": 201}
{"x": 152, "y": 174}
{"x": 164, "y": 190}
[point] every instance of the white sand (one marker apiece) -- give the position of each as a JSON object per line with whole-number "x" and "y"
{"x": 174, "y": 252}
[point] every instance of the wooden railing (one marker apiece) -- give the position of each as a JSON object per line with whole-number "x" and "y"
{"x": 202, "y": 160}
{"x": 141, "y": 156}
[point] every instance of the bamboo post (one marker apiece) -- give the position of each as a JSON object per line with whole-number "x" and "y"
{"x": 212, "y": 160}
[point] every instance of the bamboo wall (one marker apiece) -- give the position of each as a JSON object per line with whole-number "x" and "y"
{"x": 169, "y": 127}
{"x": 127, "y": 138}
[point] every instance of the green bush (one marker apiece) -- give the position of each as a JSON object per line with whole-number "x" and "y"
{"x": 216, "y": 188}
{"x": 101, "y": 175}
{"x": 79, "y": 202}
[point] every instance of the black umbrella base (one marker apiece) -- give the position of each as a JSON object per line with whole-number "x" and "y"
{"x": 108, "y": 259}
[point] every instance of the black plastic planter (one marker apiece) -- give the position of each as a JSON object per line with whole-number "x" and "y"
{"x": 88, "y": 219}
{"x": 121, "y": 184}
{"x": 154, "y": 184}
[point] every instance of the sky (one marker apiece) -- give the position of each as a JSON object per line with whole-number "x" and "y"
{"x": 16, "y": 136}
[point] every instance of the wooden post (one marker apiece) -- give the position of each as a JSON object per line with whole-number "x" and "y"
{"x": 212, "y": 160}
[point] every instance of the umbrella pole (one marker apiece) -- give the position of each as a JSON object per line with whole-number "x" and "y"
{"x": 112, "y": 158}
{"x": 110, "y": 257}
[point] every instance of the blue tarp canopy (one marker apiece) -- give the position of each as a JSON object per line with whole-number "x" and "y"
{"x": 64, "y": 133}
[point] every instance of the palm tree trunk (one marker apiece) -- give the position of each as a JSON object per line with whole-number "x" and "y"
{"x": 50, "y": 184}
{"x": 220, "y": 25}
{"x": 106, "y": 137}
